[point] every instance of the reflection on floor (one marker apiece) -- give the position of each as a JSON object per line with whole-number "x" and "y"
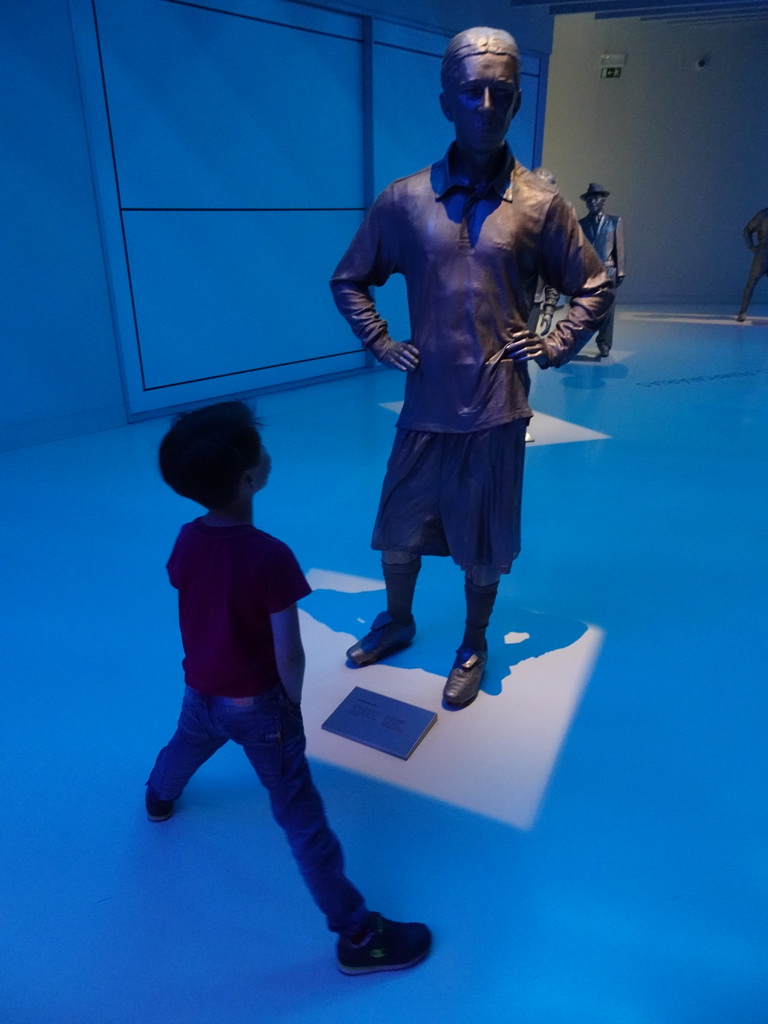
{"x": 587, "y": 839}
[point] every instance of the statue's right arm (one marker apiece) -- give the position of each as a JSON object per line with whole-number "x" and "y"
{"x": 369, "y": 261}
{"x": 356, "y": 305}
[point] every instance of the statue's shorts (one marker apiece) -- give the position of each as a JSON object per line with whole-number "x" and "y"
{"x": 454, "y": 494}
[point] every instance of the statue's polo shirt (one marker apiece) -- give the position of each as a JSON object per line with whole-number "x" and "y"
{"x": 471, "y": 259}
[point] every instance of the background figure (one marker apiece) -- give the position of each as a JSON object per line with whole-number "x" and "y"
{"x": 606, "y": 233}
{"x": 757, "y": 226}
{"x": 545, "y": 300}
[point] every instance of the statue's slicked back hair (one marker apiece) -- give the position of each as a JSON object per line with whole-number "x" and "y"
{"x": 205, "y": 453}
{"x": 473, "y": 42}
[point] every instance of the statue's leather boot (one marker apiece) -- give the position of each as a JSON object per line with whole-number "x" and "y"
{"x": 464, "y": 681}
{"x": 385, "y": 637}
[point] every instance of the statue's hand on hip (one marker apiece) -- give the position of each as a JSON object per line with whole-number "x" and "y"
{"x": 525, "y": 346}
{"x": 401, "y": 356}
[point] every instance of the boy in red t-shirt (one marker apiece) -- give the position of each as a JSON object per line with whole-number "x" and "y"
{"x": 244, "y": 670}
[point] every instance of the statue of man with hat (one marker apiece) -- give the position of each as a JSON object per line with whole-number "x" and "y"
{"x": 606, "y": 233}
{"x": 472, "y": 234}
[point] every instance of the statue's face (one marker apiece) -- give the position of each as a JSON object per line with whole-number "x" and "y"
{"x": 595, "y": 203}
{"x": 480, "y": 100}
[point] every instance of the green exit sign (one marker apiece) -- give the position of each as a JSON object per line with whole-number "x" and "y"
{"x": 611, "y": 64}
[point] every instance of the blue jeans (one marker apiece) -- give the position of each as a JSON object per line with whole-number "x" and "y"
{"x": 270, "y": 730}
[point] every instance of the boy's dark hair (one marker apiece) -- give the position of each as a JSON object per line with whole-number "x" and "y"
{"x": 206, "y": 451}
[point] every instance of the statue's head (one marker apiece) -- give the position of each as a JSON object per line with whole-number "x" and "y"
{"x": 476, "y": 42}
{"x": 595, "y": 197}
{"x": 480, "y": 75}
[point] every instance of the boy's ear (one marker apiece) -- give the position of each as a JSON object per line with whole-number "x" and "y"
{"x": 445, "y": 106}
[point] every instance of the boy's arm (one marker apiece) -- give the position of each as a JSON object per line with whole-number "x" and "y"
{"x": 289, "y": 652}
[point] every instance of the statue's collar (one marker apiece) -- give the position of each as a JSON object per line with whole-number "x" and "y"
{"x": 445, "y": 176}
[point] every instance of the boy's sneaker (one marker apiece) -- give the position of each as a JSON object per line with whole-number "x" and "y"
{"x": 157, "y": 809}
{"x": 390, "y": 946}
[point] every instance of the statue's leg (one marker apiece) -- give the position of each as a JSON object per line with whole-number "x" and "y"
{"x": 602, "y": 342}
{"x": 393, "y": 629}
{"x": 481, "y": 585}
{"x": 756, "y": 271}
{"x": 604, "y": 339}
{"x": 401, "y": 570}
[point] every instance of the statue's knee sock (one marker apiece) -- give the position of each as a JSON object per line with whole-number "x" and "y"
{"x": 480, "y": 602}
{"x": 400, "y": 578}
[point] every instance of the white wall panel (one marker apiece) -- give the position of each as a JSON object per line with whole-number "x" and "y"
{"x": 239, "y": 293}
{"x": 210, "y": 109}
{"x": 229, "y": 151}
{"x": 411, "y": 131}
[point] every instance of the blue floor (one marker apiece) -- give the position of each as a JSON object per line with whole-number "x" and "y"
{"x": 588, "y": 840}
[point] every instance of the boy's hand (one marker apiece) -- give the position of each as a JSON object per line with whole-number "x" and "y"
{"x": 289, "y": 652}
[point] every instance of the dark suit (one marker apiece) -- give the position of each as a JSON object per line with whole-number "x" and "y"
{"x": 606, "y": 234}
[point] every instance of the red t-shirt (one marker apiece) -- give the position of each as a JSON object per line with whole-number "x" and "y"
{"x": 230, "y": 580}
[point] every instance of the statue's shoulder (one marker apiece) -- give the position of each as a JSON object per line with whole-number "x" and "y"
{"x": 522, "y": 177}
{"x": 411, "y": 181}
{"x": 404, "y": 196}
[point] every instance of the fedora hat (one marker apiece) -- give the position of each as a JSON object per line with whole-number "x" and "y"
{"x": 595, "y": 190}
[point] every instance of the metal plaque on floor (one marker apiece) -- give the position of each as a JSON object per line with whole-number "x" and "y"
{"x": 381, "y": 722}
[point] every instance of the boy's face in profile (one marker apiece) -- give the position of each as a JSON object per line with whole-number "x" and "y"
{"x": 259, "y": 475}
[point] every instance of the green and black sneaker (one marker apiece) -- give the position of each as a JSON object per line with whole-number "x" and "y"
{"x": 389, "y": 946}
